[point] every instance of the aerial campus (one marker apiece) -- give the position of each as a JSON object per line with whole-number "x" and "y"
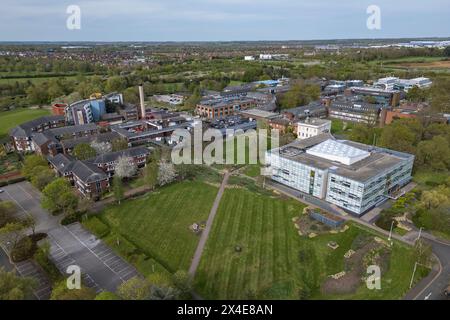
{"x": 234, "y": 170}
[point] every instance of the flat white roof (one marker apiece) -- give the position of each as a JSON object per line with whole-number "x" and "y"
{"x": 338, "y": 151}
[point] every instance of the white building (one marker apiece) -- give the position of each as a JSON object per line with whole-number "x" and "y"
{"x": 394, "y": 83}
{"x": 407, "y": 84}
{"x": 312, "y": 127}
{"x": 387, "y": 83}
{"x": 264, "y": 56}
{"x": 249, "y": 58}
{"x": 350, "y": 175}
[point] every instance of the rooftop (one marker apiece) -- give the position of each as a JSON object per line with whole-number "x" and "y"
{"x": 324, "y": 152}
{"x": 338, "y": 151}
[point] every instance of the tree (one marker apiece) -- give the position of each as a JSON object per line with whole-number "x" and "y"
{"x": 166, "y": 173}
{"x": 13, "y": 231}
{"x": 14, "y": 287}
{"x": 183, "y": 283}
{"x": 402, "y": 135}
{"x": 434, "y": 153}
{"x": 125, "y": 167}
{"x": 163, "y": 293}
{"x": 58, "y": 197}
{"x": 116, "y": 84}
{"x": 101, "y": 147}
{"x": 134, "y": 289}
{"x": 7, "y": 212}
{"x": 119, "y": 144}
{"x": 30, "y": 163}
{"x": 42, "y": 176}
{"x": 151, "y": 174}
{"x": 30, "y": 222}
{"x": 300, "y": 94}
{"x": 422, "y": 252}
{"x": 118, "y": 189}
{"x": 433, "y": 198}
{"x": 61, "y": 292}
{"x": 84, "y": 151}
{"x": 447, "y": 52}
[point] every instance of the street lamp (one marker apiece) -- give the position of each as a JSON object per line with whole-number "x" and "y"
{"x": 390, "y": 232}
{"x": 420, "y": 233}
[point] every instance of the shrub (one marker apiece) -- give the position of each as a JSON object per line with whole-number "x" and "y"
{"x": 96, "y": 226}
{"x": 72, "y": 218}
{"x": 42, "y": 259}
{"x": 24, "y": 249}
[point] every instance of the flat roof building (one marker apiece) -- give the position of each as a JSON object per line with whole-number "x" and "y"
{"x": 312, "y": 127}
{"x": 350, "y": 175}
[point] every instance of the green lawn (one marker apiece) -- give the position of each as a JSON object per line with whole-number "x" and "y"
{"x": 269, "y": 265}
{"x": 10, "y": 119}
{"x": 157, "y": 225}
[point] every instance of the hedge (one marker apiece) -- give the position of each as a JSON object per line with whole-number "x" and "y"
{"x": 96, "y": 226}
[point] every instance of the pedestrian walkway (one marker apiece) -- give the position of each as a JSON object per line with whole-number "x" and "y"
{"x": 209, "y": 222}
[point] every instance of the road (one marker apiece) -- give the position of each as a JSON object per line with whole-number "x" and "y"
{"x": 101, "y": 268}
{"x": 205, "y": 233}
{"x": 433, "y": 287}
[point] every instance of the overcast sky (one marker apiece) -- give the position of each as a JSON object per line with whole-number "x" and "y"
{"x": 209, "y": 20}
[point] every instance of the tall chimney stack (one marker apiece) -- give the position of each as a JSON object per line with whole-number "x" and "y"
{"x": 141, "y": 97}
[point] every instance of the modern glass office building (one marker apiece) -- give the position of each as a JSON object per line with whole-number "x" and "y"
{"x": 353, "y": 176}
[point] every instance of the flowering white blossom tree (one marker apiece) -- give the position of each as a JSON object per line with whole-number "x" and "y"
{"x": 101, "y": 147}
{"x": 166, "y": 173}
{"x": 125, "y": 167}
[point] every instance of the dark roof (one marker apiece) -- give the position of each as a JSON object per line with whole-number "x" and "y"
{"x": 73, "y": 129}
{"x": 24, "y": 130}
{"x": 63, "y": 163}
{"x": 88, "y": 172}
{"x": 102, "y": 137}
{"x": 42, "y": 138}
{"x": 114, "y": 156}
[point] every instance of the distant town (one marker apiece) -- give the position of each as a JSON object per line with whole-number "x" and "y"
{"x": 351, "y": 202}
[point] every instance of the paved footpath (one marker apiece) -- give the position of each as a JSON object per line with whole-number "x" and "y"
{"x": 205, "y": 232}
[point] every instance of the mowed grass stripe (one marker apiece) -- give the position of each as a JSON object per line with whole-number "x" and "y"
{"x": 159, "y": 223}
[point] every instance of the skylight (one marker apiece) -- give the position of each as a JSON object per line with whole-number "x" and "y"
{"x": 338, "y": 151}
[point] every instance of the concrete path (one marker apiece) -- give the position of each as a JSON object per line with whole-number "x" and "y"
{"x": 201, "y": 244}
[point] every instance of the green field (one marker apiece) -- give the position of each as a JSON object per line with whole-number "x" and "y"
{"x": 10, "y": 119}
{"x": 157, "y": 224}
{"x": 269, "y": 264}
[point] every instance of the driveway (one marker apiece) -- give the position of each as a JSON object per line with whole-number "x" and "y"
{"x": 101, "y": 268}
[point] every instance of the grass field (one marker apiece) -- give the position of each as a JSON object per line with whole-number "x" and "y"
{"x": 10, "y": 119}
{"x": 158, "y": 223}
{"x": 269, "y": 265}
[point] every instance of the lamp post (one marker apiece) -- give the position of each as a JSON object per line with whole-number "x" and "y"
{"x": 390, "y": 232}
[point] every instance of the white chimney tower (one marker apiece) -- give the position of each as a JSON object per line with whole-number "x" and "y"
{"x": 141, "y": 97}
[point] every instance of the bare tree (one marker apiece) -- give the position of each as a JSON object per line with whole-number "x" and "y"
{"x": 101, "y": 147}
{"x": 166, "y": 173}
{"x": 125, "y": 167}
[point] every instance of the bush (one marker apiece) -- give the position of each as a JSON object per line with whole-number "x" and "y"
{"x": 105, "y": 295}
{"x": 42, "y": 259}
{"x": 24, "y": 250}
{"x": 26, "y": 247}
{"x": 96, "y": 226}
{"x": 72, "y": 218}
{"x": 385, "y": 221}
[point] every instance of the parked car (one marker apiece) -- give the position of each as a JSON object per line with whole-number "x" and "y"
{"x": 1, "y": 190}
